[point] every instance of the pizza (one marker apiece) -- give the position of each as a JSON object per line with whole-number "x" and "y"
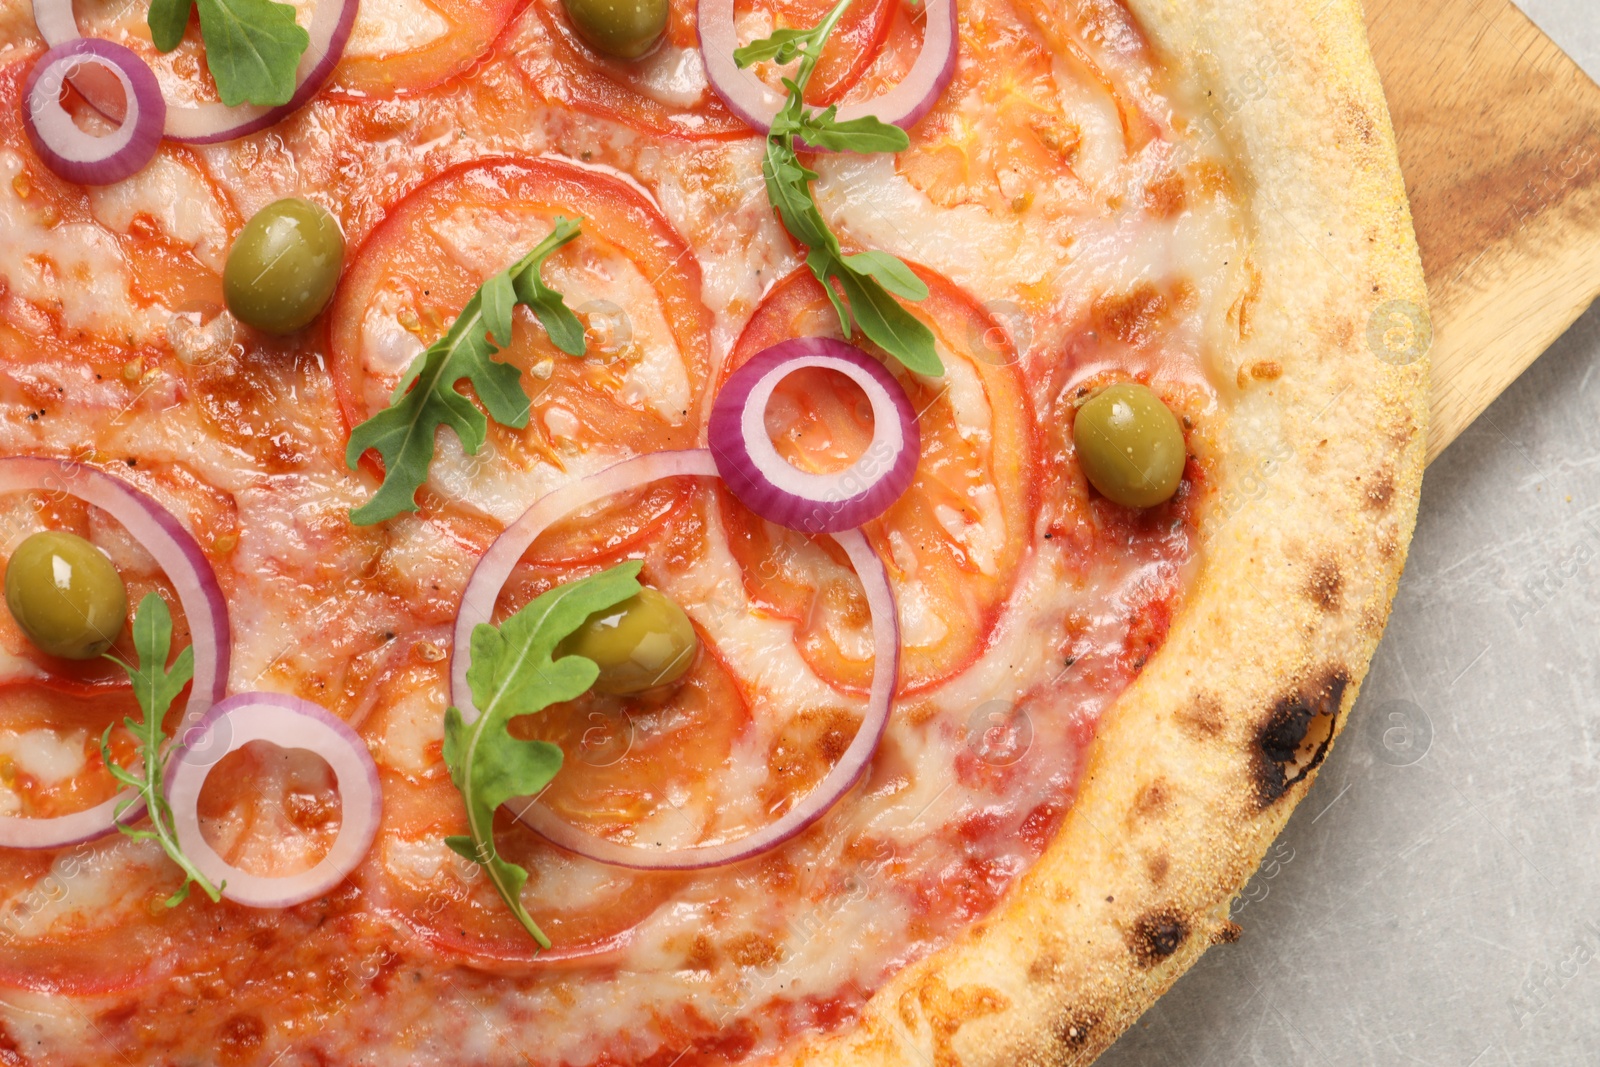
{"x": 651, "y": 532}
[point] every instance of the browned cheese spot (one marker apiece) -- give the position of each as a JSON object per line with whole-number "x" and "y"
{"x": 1156, "y": 935}
{"x": 702, "y": 954}
{"x": 1293, "y": 739}
{"x": 1325, "y": 586}
{"x": 1131, "y": 317}
{"x": 241, "y": 1036}
{"x": 1164, "y": 197}
{"x": 753, "y": 950}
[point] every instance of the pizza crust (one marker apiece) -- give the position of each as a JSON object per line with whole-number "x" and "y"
{"x": 1196, "y": 768}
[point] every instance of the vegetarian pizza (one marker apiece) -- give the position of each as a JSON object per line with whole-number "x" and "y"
{"x": 612, "y": 532}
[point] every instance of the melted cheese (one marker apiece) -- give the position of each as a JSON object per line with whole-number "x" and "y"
{"x": 941, "y": 825}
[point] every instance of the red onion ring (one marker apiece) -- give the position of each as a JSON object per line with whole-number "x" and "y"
{"x": 186, "y": 567}
{"x": 83, "y": 157}
{"x": 757, "y": 103}
{"x": 331, "y": 23}
{"x": 288, "y": 722}
{"x": 776, "y": 489}
{"x": 489, "y": 577}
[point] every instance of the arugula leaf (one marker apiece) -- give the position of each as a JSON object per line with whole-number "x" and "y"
{"x": 513, "y": 674}
{"x": 155, "y": 686}
{"x": 253, "y": 49}
{"x": 866, "y": 134}
{"x": 868, "y": 282}
{"x": 782, "y": 47}
{"x": 426, "y": 396}
{"x": 168, "y": 20}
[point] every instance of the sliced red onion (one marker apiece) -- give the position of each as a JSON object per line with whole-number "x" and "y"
{"x": 79, "y": 156}
{"x": 477, "y": 606}
{"x": 186, "y": 567}
{"x": 287, "y": 722}
{"x": 776, "y": 489}
{"x": 757, "y": 103}
{"x": 331, "y": 23}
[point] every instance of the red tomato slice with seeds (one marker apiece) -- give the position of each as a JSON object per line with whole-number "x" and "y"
{"x": 621, "y": 755}
{"x": 952, "y": 543}
{"x": 665, "y": 93}
{"x": 450, "y": 38}
{"x": 629, "y": 276}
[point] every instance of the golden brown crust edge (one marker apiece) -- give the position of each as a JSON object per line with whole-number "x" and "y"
{"x": 1198, "y": 765}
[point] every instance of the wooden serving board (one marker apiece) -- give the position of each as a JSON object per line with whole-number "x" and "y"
{"x": 1499, "y": 136}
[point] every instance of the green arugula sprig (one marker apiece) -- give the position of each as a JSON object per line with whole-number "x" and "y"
{"x": 403, "y": 433}
{"x": 155, "y": 686}
{"x": 253, "y": 47}
{"x": 870, "y": 280}
{"x": 513, "y": 673}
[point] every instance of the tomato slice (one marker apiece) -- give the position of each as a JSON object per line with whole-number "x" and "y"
{"x": 103, "y": 272}
{"x": 618, "y": 756}
{"x": 665, "y": 93}
{"x": 952, "y": 543}
{"x": 629, "y": 276}
{"x": 407, "y": 46}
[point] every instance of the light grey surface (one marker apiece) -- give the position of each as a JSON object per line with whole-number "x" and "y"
{"x": 1436, "y": 898}
{"x": 1575, "y": 25}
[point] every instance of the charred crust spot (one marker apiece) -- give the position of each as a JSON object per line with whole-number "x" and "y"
{"x": 1325, "y": 586}
{"x": 1380, "y": 490}
{"x": 1072, "y": 1032}
{"x": 1157, "y": 935}
{"x": 1152, "y": 798}
{"x": 1295, "y": 735}
{"x": 240, "y": 1038}
{"x": 1227, "y": 934}
{"x": 1157, "y": 867}
{"x": 1359, "y": 121}
{"x": 1044, "y": 967}
{"x": 1201, "y": 718}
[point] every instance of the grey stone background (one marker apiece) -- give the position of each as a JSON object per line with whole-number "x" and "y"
{"x": 1436, "y": 898}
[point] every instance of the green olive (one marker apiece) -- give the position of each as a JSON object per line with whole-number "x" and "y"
{"x": 643, "y": 642}
{"x": 66, "y": 595}
{"x": 626, "y": 29}
{"x": 1130, "y": 445}
{"x": 284, "y": 266}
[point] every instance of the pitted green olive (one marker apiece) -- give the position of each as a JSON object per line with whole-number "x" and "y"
{"x": 644, "y": 642}
{"x": 626, "y": 29}
{"x": 284, "y": 266}
{"x": 1130, "y": 445}
{"x": 66, "y": 595}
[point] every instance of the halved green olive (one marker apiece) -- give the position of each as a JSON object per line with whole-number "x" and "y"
{"x": 66, "y": 595}
{"x": 626, "y": 29}
{"x": 284, "y": 266}
{"x": 643, "y": 642}
{"x": 1130, "y": 445}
